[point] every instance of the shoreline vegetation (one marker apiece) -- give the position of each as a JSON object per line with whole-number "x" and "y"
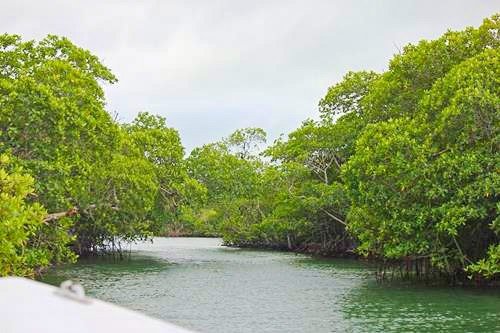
{"x": 402, "y": 167}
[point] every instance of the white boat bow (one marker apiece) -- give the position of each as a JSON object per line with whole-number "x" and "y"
{"x": 28, "y": 306}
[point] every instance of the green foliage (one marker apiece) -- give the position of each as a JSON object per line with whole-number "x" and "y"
{"x": 424, "y": 177}
{"x": 53, "y": 120}
{"x": 345, "y": 97}
{"x": 488, "y": 267}
{"x": 232, "y": 182}
{"x": 54, "y": 124}
{"x": 161, "y": 147}
{"x": 52, "y": 114}
{"x": 414, "y": 71}
{"x": 246, "y": 141}
{"x": 384, "y": 181}
{"x": 25, "y": 246}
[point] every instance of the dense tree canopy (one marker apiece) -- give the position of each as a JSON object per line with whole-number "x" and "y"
{"x": 401, "y": 166}
{"x": 28, "y": 240}
{"x": 101, "y": 182}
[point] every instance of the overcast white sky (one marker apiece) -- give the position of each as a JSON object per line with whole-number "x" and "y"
{"x": 211, "y": 67}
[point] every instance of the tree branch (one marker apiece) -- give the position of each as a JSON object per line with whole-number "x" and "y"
{"x": 334, "y": 217}
{"x": 56, "y": 216}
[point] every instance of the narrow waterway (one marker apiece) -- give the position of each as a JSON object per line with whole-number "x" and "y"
{"x": 199, "y": 284}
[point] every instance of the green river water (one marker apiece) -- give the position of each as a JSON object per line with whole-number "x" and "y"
{"x": 201, "y": 285}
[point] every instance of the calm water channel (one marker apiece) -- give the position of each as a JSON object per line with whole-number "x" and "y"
{"x": 198, "y": 284}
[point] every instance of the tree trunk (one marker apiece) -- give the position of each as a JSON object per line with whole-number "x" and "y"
{"x": 289, "y": 241}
